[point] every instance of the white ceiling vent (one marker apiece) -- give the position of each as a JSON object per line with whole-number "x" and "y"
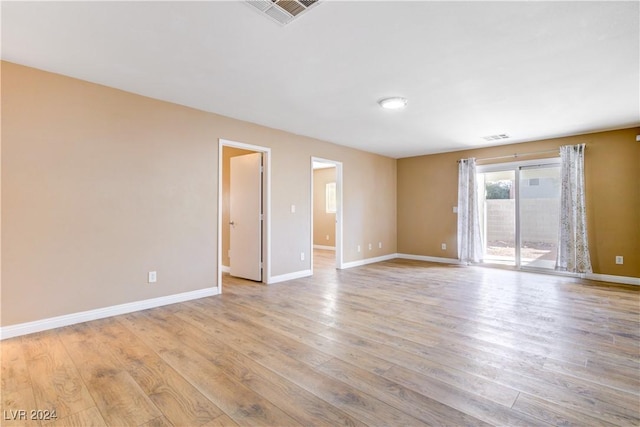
{"x": 283, "y": 11}
{"x": 495, "y": 137}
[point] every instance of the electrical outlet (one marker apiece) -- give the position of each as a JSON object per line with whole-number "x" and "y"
{"x": 358, "y": 248}
{"x": 327, "y": 237}
{"x": 370, "y": 246}
{"x": 444, "y": 246}
{"x": 379, "y": 245}
{"x": 293, "y": 208}
{"x": 619, "y": 259}
{"x": 301, "y": 256}
{"x": 153, "y": 277}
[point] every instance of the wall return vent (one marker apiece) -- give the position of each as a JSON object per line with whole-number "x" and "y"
{"x": 496, "y": 137}
{"x": 282, "y": 11}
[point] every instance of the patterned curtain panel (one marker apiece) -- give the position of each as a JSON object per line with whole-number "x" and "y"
{"x": 573, "y": 244}
{"x": 469, "y": 237}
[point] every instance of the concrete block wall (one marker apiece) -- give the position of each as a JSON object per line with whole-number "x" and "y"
{"x": 539, "y": 220}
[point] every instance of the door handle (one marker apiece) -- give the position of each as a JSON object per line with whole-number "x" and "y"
{"x": 232, "y": 223}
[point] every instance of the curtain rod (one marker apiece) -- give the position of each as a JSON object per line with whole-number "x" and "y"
{"x": 516, "y": 155}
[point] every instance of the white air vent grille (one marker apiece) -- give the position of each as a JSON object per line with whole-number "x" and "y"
{"x": 279, "y": 15}
{"x": 261, "y": 5}
{"x": 283, "y": 11}
{"x": 495, "y": 137}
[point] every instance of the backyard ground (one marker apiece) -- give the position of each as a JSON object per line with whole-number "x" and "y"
{"x": 529, "y": 250}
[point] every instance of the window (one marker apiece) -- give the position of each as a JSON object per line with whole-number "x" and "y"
{"x": 330, "y": 198}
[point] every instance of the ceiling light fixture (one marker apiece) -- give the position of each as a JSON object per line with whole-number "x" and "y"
{"x": 394, "y": 103}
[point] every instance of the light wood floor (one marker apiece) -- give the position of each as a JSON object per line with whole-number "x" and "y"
{"x": 394, "y": 343}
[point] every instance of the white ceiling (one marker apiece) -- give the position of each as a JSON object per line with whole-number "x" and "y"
{"x": 532, "y": 70}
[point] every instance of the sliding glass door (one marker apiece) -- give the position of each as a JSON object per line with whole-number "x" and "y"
{"x": 519, "y": 212}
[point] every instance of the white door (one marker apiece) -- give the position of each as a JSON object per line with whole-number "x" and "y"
{"x": 245, "y": 209}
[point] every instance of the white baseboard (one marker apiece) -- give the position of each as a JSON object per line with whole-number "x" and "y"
{"x": 100, "y": 313}
{"x": 429, "y": 258}
{"x": 326, "y": 248}
{"x": 592, "y": 276}
{"x": 366, "y": 261}
{"x": 613, "y": 279}
{"x": 288, "y": 276}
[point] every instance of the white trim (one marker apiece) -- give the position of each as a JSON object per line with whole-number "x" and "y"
{"x": 100, "y": 313}
{"x": 613, "y": 279}
{"x": 326, "y": 248}
{"x": 225, "y": 268}
{"x": 369, "y": 261}
{"x": 289, "y": 276}
{"x": 339, "y": 238}
{"x": 590, "y": 276}
{"x": 429, "y": 258}
{"x": 266, "y": 151}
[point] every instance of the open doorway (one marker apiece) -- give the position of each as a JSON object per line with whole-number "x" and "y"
{"x": 243, "y": 211}
{"x": 326, "y": 213}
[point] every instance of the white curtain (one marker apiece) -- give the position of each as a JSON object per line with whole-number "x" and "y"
{"x": 469, "y": 237}
{"x": 573, "y": 244}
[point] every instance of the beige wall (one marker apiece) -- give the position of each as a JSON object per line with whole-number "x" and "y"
{"x": 227, "y": 154}
{"x": 324, "y": 223}
{"x": 100, "y": 186}
{"x": 427, "y": 192}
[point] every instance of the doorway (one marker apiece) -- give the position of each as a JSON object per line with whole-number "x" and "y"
{"x": 520, "y": 213}
{"x": 326, "y": 212}
{"x": 243, "y": 211}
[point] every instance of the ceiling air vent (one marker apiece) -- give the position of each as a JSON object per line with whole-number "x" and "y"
{"x": 282, "y": 11}
{"x": 495, "y": 137}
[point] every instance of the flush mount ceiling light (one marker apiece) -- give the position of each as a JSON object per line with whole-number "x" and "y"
{"x": 394, "y": 103}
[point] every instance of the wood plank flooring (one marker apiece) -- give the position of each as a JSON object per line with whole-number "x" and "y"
{"x": 395, "y": 343}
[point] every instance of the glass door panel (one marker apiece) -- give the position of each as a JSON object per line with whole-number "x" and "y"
{"x": 539, "y": 203}
{"x": 498, "y": 216}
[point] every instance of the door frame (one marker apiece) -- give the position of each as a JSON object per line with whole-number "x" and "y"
{"x": 517, "y": 166}
{"x": 266, "y": 195}
{"x": 339, "y": 209}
